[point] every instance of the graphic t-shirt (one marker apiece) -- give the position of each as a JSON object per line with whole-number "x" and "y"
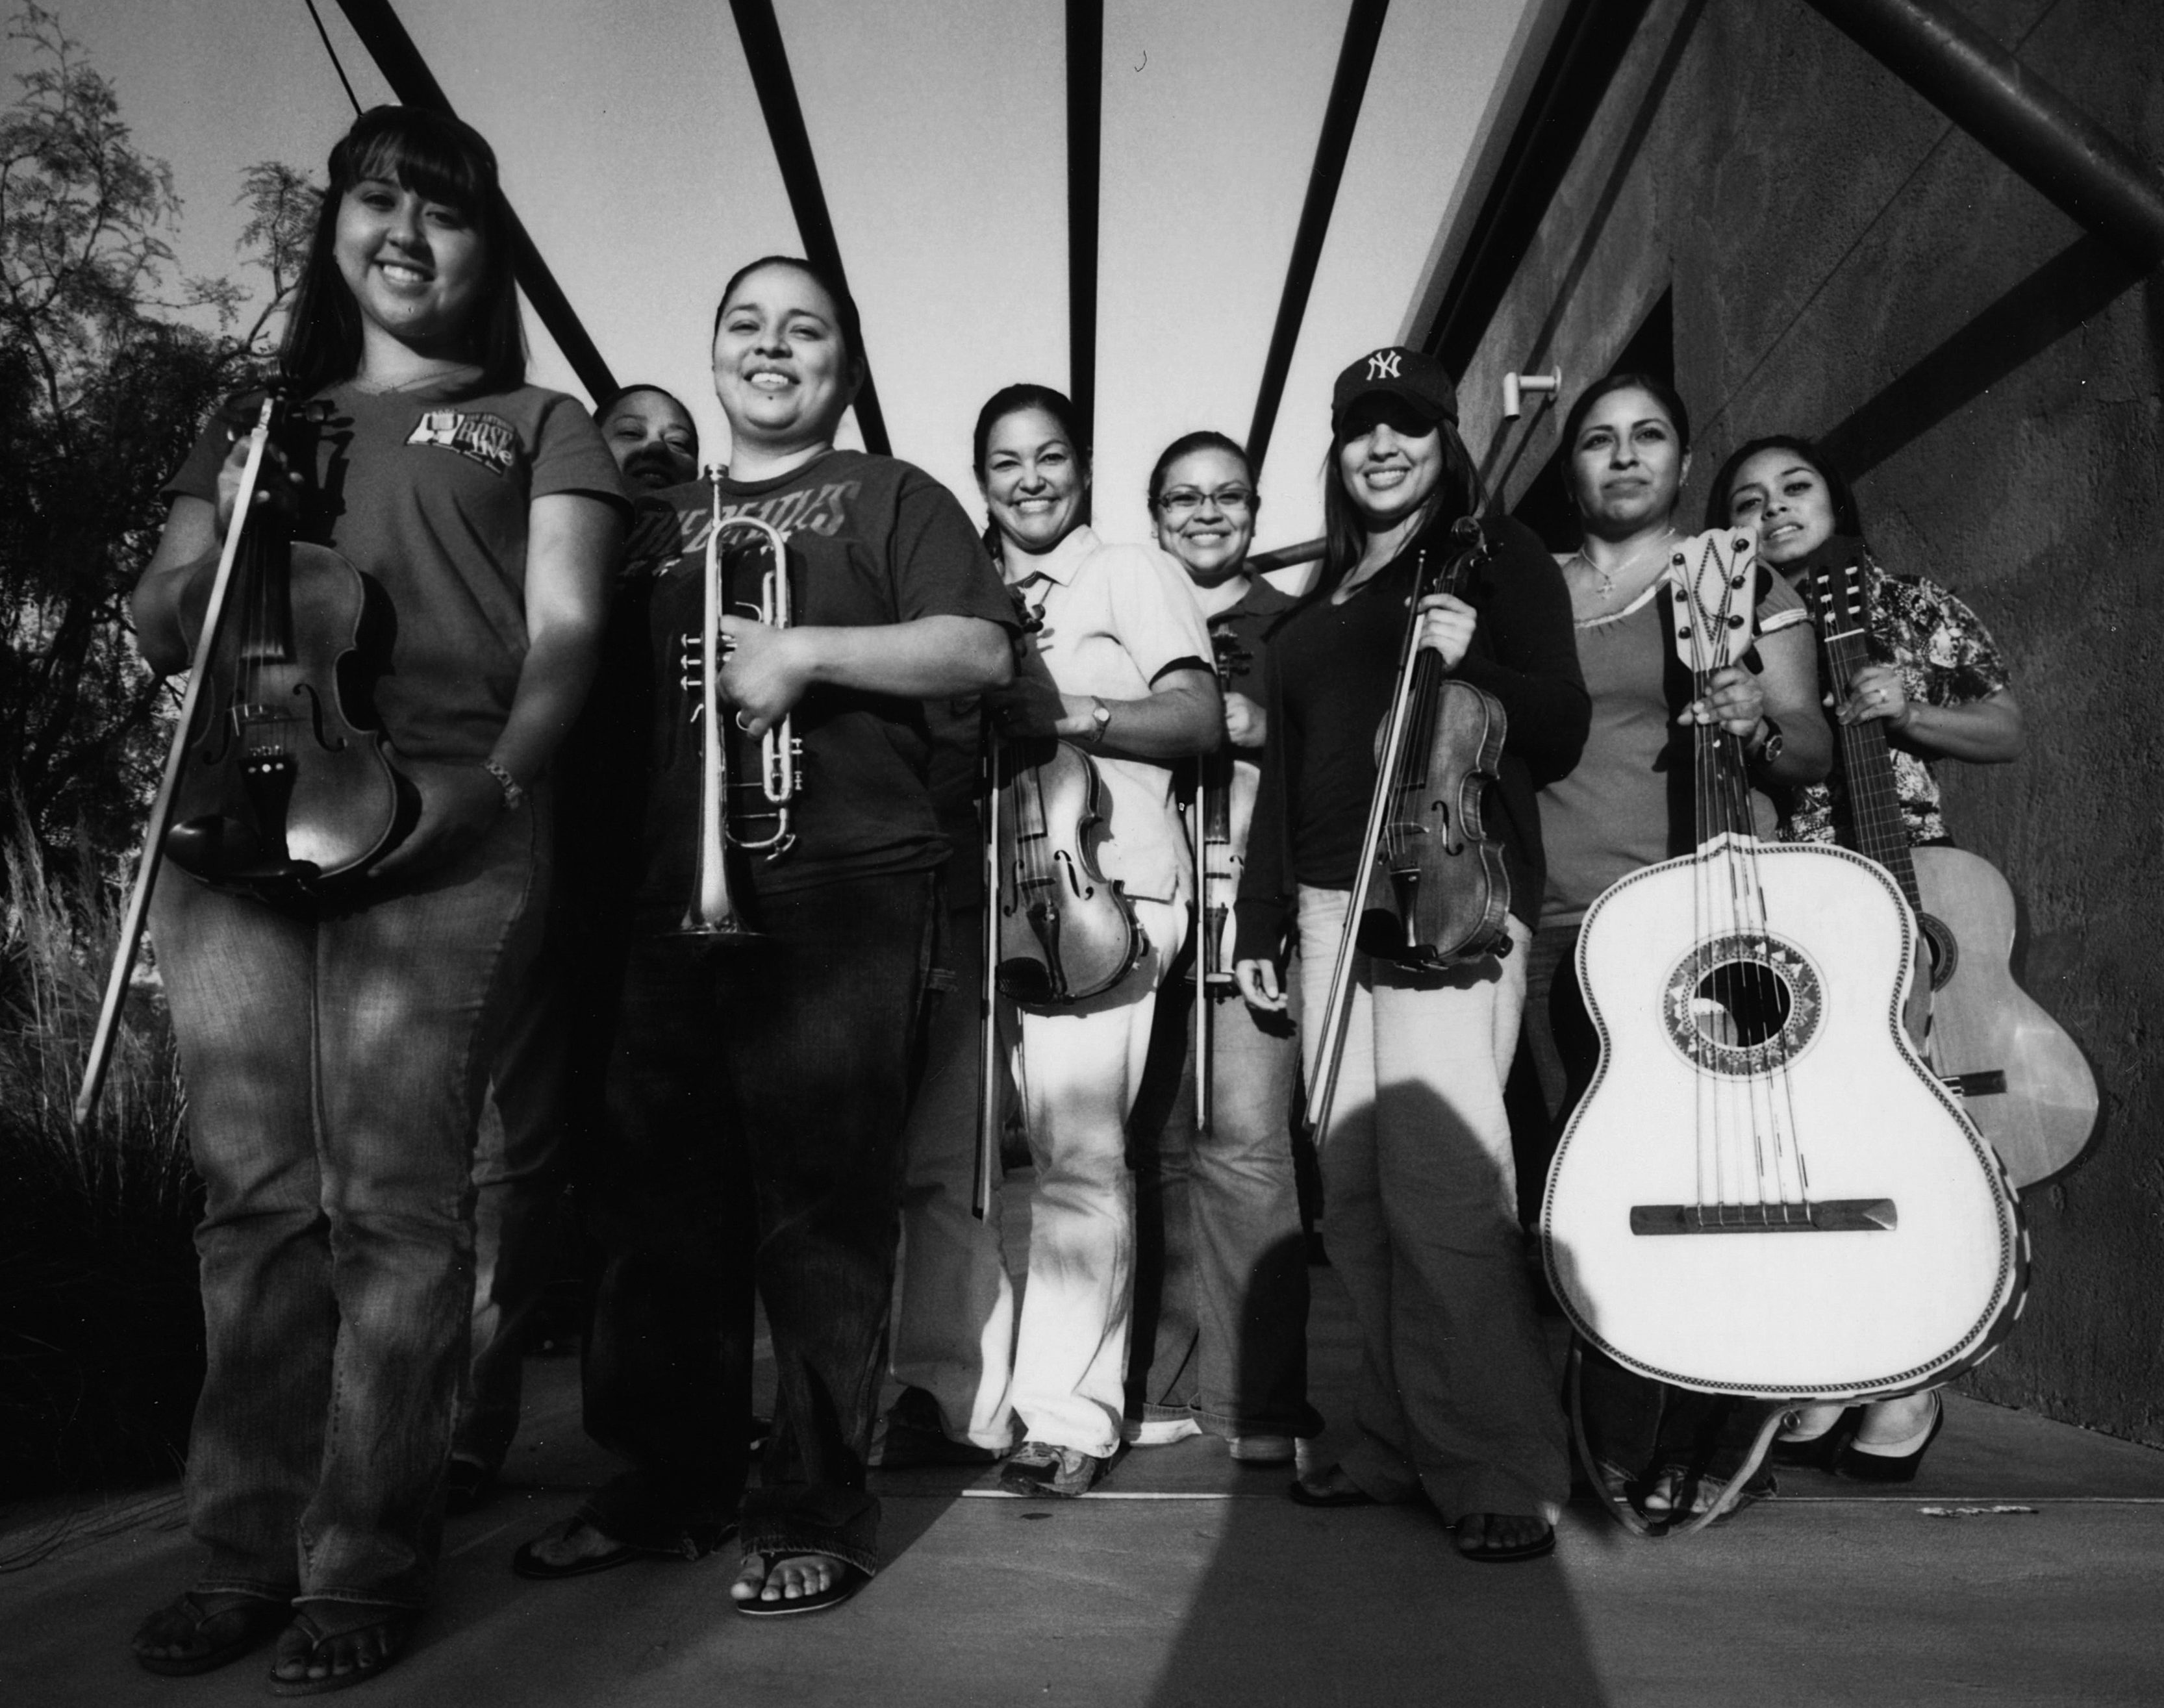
{"x": 871, "y": 541}
{"x": 426, "y": 493}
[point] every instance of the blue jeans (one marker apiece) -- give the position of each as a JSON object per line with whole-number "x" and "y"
{"x": 518, "y": 1182}
{"x": 334, "y": 1067}
{"x": 756, "y": 1099}
{"x": 1220, "y": 1262}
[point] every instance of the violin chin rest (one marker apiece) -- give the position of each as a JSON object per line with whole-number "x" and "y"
{"x": 211, "y": 846}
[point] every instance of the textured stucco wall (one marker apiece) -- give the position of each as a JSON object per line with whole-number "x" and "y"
{"x": 1832, "y": 243}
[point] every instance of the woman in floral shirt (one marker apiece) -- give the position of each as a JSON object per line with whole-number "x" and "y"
{"x": 1938, "y": 682}
{"x": 1936, "y": 677}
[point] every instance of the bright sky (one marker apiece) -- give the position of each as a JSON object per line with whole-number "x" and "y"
{"x": 632, "y": 146}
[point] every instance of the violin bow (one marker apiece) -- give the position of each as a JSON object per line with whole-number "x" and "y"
{"x": 161, "y": 807}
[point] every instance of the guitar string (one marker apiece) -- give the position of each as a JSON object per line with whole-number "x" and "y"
{"x": 1775, "y": 1094}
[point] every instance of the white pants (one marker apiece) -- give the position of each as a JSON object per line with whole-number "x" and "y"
{"x": 1456, "y": 1399}
{"x": 1079, "y": 1069}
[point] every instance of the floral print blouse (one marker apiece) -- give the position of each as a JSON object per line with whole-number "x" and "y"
{"x": 1946, "y": 657}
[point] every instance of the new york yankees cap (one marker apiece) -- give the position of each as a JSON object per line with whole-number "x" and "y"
{"x": 1396, "y": 371}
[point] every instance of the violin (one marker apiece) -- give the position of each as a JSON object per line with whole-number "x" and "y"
{"x": 1433, "y": 889}
{"x": 268, "y": 786}
{"x": 1218, "y": 879}
{"x": 1437, "y": 891}
{"x": 284, "y": 792}
{"x": 1065, "y": 932}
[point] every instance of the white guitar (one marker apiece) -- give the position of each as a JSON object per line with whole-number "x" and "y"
{"x": 1766, "y": 1191}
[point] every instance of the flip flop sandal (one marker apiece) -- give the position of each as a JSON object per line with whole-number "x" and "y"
{"x": 1488, "y": 1554}
{"x": 397, "y": 1624}
{"x": 217, "y": 1636}
{"x": 527, "y": 1563}
{"x": 852, "y": 1579}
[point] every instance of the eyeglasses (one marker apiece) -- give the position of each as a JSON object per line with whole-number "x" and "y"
{"x": 1183, "y": 501}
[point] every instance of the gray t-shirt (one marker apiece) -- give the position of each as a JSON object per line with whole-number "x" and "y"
{"x": 1611, "y": 815}
{"x": 426, "y": 493}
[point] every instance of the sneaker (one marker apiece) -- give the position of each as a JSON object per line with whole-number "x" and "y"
{"x": 914, "y": 1434}
{"x": 1038, "y": 1468}
{"x": 1263, "y": 1449}
{"x": 1158, "y": 1431}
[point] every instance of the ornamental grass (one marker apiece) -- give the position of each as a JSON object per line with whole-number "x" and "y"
{"x": 100, "y": 1326}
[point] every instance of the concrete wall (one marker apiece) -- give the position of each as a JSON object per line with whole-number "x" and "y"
{"x": 1842, "y": 259}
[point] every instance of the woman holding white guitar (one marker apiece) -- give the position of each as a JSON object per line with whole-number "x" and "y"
{"x": 1937, "y": 683}
{"x": 1628, "y": 442}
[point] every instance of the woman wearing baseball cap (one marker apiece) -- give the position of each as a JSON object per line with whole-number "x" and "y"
{"x": 1456, "y": 1399}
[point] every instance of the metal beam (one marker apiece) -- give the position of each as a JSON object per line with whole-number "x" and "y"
{"x": 1085, "y": 118}
{"x": 768, "y": 60}
{"x": 1356, "y": 57}
{"x": 2078, "y": 165}
{"x": 416, "y": 85}
{"x": 1588, "y": 46}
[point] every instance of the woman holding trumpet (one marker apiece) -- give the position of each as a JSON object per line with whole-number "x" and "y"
{"x": 761, "y": 1055}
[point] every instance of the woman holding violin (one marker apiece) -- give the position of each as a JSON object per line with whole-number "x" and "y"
{"x": 336, "y": 1042}
{"x": 1128, "y": 652}
{"x": 761, "y": 1060}
{"x": 1457, "y": 1400}
{"x": 1221, "y": 1280}
{"x": 1627, "y": 805}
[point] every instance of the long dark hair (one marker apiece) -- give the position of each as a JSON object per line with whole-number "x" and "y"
{"x": 1847, "y": 518}
{"x": 1185, "y": 445}
{"x": 1458, "y": 492}
{"x": 446, "y": 161}
{"x": 1013, "y": 400}
{"x": 845, "y": 305}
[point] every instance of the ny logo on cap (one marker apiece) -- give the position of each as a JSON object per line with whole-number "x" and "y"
{"x": 1384, "y": 365}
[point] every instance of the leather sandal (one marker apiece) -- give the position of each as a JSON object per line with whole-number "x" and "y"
{"x": 214, "y": 1636}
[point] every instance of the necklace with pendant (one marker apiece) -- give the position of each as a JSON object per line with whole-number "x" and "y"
{"x": 1609, "y": 577}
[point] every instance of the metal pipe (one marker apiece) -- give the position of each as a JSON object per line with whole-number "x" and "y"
{"x": 1085, "y": 101}
{"x": 2076, "y": 163}
{"x": 1356, "y": 58}
{"x": 416, "y": 85}
{"x": 768, "y": 62}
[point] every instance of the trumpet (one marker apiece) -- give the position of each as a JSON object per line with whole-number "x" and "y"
{"x": 711, "y": 911}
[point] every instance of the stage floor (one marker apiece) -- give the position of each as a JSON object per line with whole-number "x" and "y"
{"x": 1187, "y": 1579}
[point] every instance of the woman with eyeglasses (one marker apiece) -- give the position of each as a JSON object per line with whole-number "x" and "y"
{"x": 1457, "y": 1400}
{"x": 1221, "y": 1269}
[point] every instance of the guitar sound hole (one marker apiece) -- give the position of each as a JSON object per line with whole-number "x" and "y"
{"x": 1741, "y": 1004}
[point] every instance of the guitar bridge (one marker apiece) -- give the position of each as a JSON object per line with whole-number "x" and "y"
{"x": 1829, "y": 1216}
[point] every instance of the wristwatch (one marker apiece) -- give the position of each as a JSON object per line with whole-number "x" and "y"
{"x": 1767, "y": 749}
{"x": 1100, "y": 718}
{"x": 514, "y": 791}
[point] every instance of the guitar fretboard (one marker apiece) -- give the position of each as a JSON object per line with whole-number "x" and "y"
{"x": 1867, "y": 766}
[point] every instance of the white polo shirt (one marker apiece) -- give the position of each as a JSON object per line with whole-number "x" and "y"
{"x": 1115, "y": 618}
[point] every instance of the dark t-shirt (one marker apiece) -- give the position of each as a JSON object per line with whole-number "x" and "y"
{"x": 1328, "y": 684}
{"x": 872, "y": 541}
{"x": 426, "y": 493}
